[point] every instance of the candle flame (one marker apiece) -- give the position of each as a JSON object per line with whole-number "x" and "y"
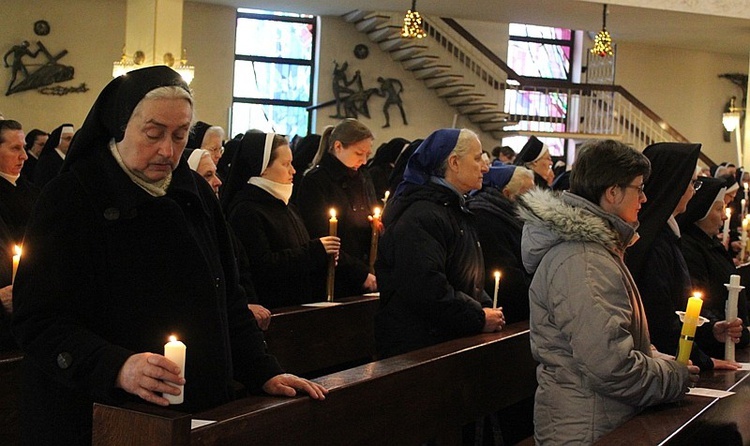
{"x": 173, "y": 338}
{"x": 497, "y": 274}
{"x": 17, "y": 250}
{"x": 376, "y": 212}
{"x": 387, "y": 194}
{"x": 333, "y": 213}
{"x": 698, "y": 294}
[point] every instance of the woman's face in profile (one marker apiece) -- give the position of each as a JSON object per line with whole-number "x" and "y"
{"x": 155, "y": 137}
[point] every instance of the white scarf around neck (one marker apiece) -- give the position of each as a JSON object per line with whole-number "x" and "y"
{"x": 157, "y": 189}
{"x": 279, "y": 190}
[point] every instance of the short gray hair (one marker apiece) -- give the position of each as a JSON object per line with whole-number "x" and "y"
{"x": 167, "y": 92}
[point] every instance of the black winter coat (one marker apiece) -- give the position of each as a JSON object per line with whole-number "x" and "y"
{"x": 110, "y": 271}
{"x": 16, "y": 203}
{"x": 430, "y": 272}
{"x": 664, "y": 284}
{"x": 710, "y": 267}
{"x": 499, "y": 230}
{"x": 331, "y": 184}
{"x": 287, "y": 267}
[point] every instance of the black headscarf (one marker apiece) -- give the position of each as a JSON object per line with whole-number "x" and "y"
{"x": 111, "y": 112}
{"x": 225, "y": 162}
{"x": 702, "y": 201}
{"x": 672, "y": 169}
{"x": 398, "y": 170}
{"x": 195, "y": 138}
{"x": 388, "y": 152}
{"x": 31, "y": 137}
{"x": 250, "y": 160}
{"x": 304, "y": 153}
{"x": 54, "y": 139}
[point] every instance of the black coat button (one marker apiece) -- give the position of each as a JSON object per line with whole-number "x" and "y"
{"x": 64, "y": 360}
{"x": 111, "y": 214}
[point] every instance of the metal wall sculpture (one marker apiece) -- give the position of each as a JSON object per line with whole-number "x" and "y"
{"x": 352, "y": 98}
{"x": 46, "y": 73}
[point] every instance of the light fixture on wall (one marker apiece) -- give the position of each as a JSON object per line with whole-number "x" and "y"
{"x": 602, "y": 40}
{"x": 731, "y": 117}
{"x": 412, "y": 28}
{"x": 127, "y": 64}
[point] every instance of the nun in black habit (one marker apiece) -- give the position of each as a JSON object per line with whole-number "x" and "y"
{"x": 125, "y": 248}
{"x": 656, "y": 260}
{"x": 381, "y": 165}
{"x": 53, "y": 155}
{"x": 288, "y": 268}
{"x": 535, "y": 156}
{"x": 710, "y": 267}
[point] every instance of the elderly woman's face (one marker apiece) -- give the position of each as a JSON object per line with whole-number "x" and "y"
{"x": 465, "y": 172}
{"x": 155, "y": 138}
{"x": 712, "y": 223}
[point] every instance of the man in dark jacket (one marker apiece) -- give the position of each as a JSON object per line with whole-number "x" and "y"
{"x": 429, "y": 260}
{"x": 126, "y": 248}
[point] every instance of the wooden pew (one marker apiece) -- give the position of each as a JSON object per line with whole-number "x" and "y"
{"x": 695, "y": 420}
{"x": 407, "y": 399}
{"x": 313, "y": 341}
{"x": 10, "y": 382}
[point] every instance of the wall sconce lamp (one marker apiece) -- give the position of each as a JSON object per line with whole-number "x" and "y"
{"x": 731, "y": 117}
{"x": 412, "y": 28}
{"x": 127, "y": 64}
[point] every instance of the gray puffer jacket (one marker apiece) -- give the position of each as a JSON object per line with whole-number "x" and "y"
{"x": 588, "y": 326}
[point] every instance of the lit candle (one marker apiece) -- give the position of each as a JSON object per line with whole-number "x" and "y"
{"x": 385, "y": 199}
{"x": 725, "y": 232}
{"x": 497, "y": 285}
{"x": 333, "y": 226}
{"x": 174, "y": 350}
{"x": 743, "y": 211}
{"x": 730, "y": 312}
{"x": 743, "y": 240}
{"x": 16, "y": 260}
{"x": 689, "y": 324}
{"x": 375, "y": 223}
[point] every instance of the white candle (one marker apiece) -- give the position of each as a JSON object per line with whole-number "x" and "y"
{"x": 174, "y": 350}
{"x": 725, "y": 232}
{"x": 730, "y": 312}
{"x": 497, "y": 285}
{"x": 743, "y": 211}
{"x": 16, "y": 261}
{"x": 743, "y": 240}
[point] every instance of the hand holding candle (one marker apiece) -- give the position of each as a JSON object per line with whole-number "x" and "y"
{"x": 16, "y": 261}
{"x": 497, "y": 285}
{"x": 730, "y": 312}
{"x": 175, "y": 350}
{"x": 375, "y": 224}
{"x": 333, "y": 225}
{"x": 690, "y": 323}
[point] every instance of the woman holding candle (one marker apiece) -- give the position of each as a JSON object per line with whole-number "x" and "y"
{"x": 499, "y": 230}
{"x": 655, "y": 260}
{"x": 337, "y": 181}
{"x": 588, "y": 327}
{"x": 288, "y": 268}
{"x": 429, "y": 262}
{"x": 126, "y": 247}
{"x": 710, "y": 267}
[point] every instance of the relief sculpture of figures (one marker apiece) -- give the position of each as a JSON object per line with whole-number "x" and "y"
{"x": 391, "y": 89}
{"x": 351, "y": 100}
{"x": 47, "y": 74}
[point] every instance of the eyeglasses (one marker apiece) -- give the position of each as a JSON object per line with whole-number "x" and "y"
{"x": 697, "y": 184}
{"x": 219, "y": 150}
{"x": 638, "y": 188}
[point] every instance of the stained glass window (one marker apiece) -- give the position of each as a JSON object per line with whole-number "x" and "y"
{"x": 273, "y": 72}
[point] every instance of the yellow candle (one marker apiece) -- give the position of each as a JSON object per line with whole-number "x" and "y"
{"x": 333, "y": 225}
{"x": 375, "y": 223}
{"x": 16, "y": 260}
{"x": 497, "y": 285}
{"x": 689, "y": 324}
{"x": 175, "y": 350}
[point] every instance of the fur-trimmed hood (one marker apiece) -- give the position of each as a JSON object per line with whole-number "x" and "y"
{"x": 551, "y": 219}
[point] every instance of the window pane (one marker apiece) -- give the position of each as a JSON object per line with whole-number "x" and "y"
{"x": 262, "y": 80}
{"x": 539, "y": 60}
{"x": 540, "y": 32}
{"x": 536, "y": 103}
{"x": 281, "y": 119}
{"x": 256, "y": 37}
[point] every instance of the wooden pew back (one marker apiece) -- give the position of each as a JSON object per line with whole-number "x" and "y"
{"x": 408, "y": 399}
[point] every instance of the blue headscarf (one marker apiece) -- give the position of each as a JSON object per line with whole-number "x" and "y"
{"x": 428, "y": 157}
{"x": 499, "y": 176}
